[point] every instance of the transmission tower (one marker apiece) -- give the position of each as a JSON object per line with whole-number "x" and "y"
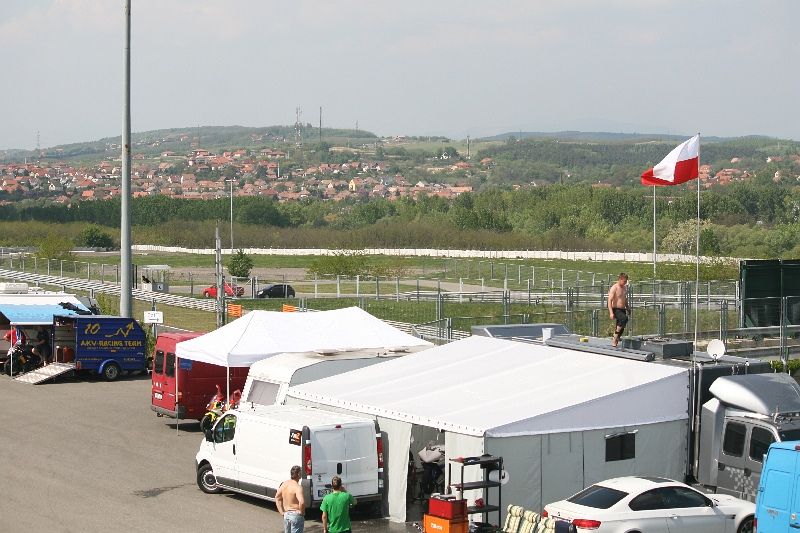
{"x": 298, "y": 128}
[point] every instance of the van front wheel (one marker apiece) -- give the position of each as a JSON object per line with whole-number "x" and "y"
{"x": 206, "y": 480}
{"x": 746, "y": 526}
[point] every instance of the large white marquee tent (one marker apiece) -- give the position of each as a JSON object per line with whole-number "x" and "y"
{"x": 551, "y": 413}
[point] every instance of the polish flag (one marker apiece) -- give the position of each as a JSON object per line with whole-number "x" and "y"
{"x": 681, "y": 165}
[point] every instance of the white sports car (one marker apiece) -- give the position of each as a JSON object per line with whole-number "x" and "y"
{"x": 652, "y": 505}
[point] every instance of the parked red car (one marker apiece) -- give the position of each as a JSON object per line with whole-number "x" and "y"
{"x": 230, "y": 291}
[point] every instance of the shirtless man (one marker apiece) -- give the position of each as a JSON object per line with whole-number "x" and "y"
{"x": 618, "y": 307}
{"x": 290, "y": 502}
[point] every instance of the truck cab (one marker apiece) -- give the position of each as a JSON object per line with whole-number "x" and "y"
{"x": 746, "y": 415}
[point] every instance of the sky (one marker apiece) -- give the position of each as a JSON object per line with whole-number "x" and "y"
{"x": 445, "y": 67}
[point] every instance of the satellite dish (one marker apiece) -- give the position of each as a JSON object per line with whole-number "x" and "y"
{"x": 716, "y": 349}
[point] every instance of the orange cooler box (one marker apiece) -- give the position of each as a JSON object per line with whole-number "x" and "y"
{"x": 450, "y": 509}
{"x": 434, "y": 524}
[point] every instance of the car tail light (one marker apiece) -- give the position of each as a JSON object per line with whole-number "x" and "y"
{"x": 307, "y": 458}
{"x": 379, "y": 444}
{"x": 586, "y": 524}
{"x": 545, "y": 513}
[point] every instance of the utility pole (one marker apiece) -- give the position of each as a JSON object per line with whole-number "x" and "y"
{"x": 218, "y": 271}
{"x": 125, "y": 295}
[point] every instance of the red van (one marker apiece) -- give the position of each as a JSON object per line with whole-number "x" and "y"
{"x": 197, "y": 382}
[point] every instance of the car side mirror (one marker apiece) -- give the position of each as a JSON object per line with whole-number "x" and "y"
{"x": 209, "y": 433}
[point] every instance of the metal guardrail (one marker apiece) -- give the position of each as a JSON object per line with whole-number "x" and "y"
{"x": 110, "y": 288}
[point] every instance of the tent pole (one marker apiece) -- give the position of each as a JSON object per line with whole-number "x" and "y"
{"x": 228, "y": 382}
{"x": 177, "y": 413}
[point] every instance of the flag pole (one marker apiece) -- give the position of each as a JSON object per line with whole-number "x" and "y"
{"x": 654, "y": 234}
{"x": 697, "y": 260}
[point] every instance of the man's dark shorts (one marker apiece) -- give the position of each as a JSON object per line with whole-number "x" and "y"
{"x": 621, "y": 316}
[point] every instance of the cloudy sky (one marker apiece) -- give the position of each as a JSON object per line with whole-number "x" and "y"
{"x": 442, "y": 67}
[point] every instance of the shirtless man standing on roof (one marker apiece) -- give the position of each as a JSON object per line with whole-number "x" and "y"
{"x": 618, "y": 307}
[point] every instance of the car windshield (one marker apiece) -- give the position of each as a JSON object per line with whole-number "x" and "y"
{"x": 598, "y": 497}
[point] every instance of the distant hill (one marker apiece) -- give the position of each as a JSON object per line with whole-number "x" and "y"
{"x": 598, "y": 136}
{"x": 182, "y": 140}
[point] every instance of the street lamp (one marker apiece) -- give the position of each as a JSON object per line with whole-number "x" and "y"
{"x": 231, "y": 182}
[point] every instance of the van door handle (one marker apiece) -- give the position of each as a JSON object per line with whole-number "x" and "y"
{"x": 338, "y": 468}
{"x": 747, "y": 472}
{"x": 234, "y": 449}
{"x": 795, "y": 525}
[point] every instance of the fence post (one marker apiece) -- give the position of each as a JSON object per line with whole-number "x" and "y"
{"x": 377, "y": 287}
{"x": 62, "y": 268}
{"x": 88, "y": 270}
{"x": 662, "y": 322}
{"x": 338, "y": 286}
{"x": 358, "y": 285}
{"x": 783, "y": 346}
{"x": 397, "y": 288}
{"x": 48, "y": 267}
{"x": 723, "y": 320}
{"x": 595, "y": 323}
{"x": 562, "y": 279}
{"x": 491, "y": 270}
{"x": 417, "y": 289}
{"x": 529, "y": 293}
{"x": 506, "y": 306}
{"x": 533, "y": 275}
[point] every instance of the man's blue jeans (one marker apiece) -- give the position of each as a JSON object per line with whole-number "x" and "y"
{"x": 293, "y": 522}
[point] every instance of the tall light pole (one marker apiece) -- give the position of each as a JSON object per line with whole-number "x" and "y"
{"x": 231, "y": 182}
{"x": 125, "y": 295}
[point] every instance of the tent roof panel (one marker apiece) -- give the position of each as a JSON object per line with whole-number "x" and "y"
{"x": 482, "y": 385}
{"x": 33, "y": 314}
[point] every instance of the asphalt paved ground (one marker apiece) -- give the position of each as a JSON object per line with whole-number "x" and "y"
{"x": 90, "y": 456}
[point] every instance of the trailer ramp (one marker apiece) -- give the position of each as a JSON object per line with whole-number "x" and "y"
{"x": 40, "y": 375}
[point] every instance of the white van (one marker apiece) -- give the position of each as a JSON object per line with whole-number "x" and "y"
{"x": 269, "y": 379}
{"x": 252, "y": 450}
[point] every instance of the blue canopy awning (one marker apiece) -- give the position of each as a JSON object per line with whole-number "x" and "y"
{"x": 32, "y": 314}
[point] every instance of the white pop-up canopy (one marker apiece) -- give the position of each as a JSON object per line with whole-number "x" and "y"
{"x": 261, "y": 334}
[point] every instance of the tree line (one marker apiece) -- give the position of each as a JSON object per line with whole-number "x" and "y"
{"x": 752, "y": 219}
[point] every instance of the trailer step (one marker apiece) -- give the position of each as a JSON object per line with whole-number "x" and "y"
{"x": 44, "y": 373}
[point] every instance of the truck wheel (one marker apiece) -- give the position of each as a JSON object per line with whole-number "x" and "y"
{"x": 206, "y": 480}
{"x": 746, "y": 526}
{"x": 111, "y": 371}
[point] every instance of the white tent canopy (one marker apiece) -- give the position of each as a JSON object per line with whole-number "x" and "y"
{"x": 549, "y": 412}
{"x": 484, "y": 386}
{"x": 262, "y": 334}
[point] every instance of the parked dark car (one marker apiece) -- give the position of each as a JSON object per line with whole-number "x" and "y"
{"x": 276, "y": 290}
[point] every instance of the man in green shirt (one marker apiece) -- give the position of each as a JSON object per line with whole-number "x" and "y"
{"x": 336, "y": 508}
